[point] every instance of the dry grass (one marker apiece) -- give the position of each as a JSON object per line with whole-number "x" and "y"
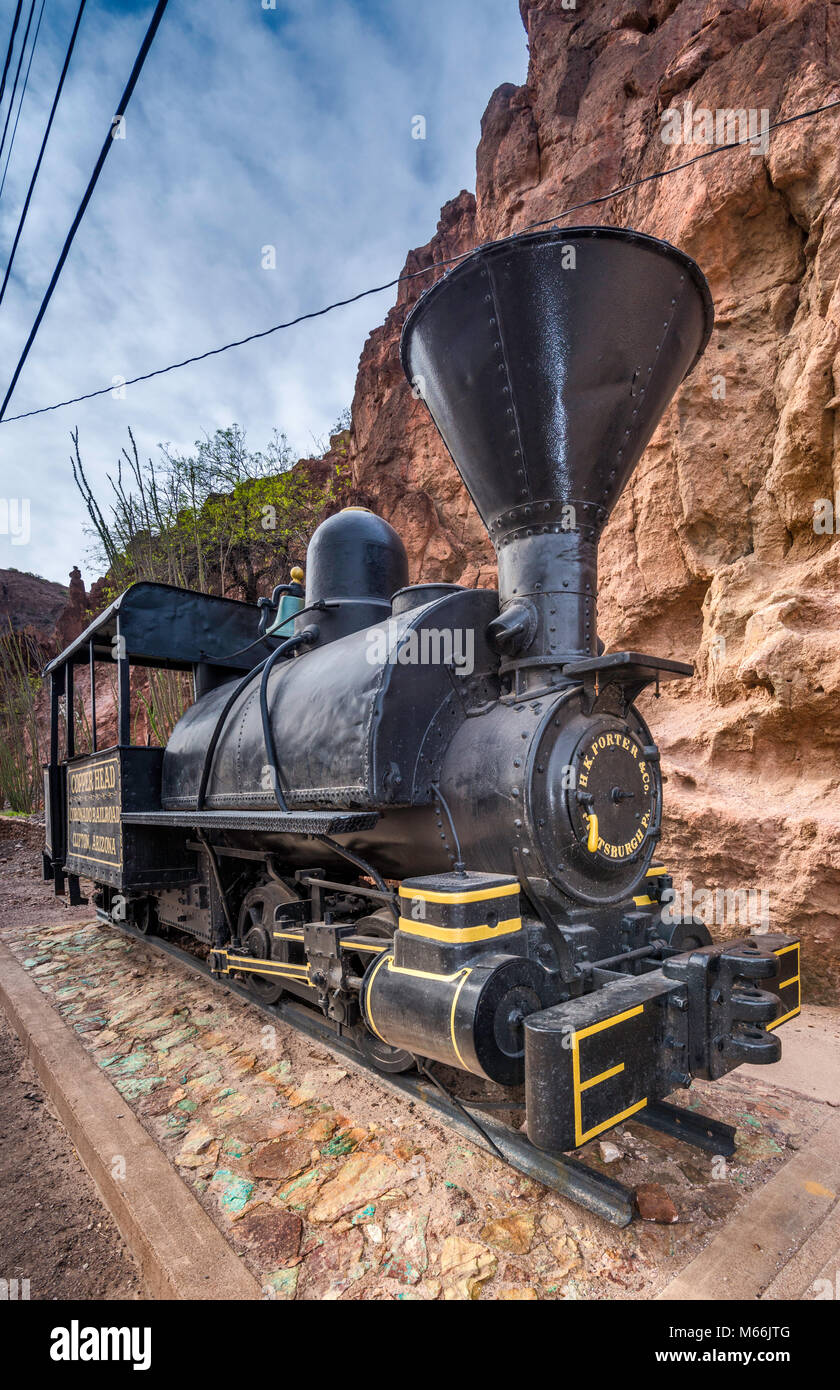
{"x": 21, "y": 658}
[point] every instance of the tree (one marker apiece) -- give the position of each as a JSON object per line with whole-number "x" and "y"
{"x": 223, "y": 519}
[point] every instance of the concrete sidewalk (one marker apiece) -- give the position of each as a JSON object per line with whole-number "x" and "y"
{"x": 810, "y": 1063}
{"x": 785, "y": 1243}
{"x": 180, "y": 1252}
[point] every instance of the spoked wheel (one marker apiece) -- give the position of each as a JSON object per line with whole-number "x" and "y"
{"x": 380, "y": 1054}
{"x": 145, "y": 917}
{"x": 379, "y": 923}
{"x": 686, "y": 936}
{"x": 256, "y": 924}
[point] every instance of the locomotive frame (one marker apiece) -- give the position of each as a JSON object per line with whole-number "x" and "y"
{"x": 429, "y": 864}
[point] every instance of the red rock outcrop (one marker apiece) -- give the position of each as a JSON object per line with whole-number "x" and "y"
{"x": 31, "y": 604}
{"x": 76, "y": 615}
{"x": 712, "y": 553}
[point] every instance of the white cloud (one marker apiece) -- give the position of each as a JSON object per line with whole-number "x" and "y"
{"x": 289, "y": 127}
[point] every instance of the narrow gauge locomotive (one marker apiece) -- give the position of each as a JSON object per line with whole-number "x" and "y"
{"x": 432, "y": 812}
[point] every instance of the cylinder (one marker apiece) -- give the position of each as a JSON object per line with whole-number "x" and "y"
{"x": 471, "y": 1018}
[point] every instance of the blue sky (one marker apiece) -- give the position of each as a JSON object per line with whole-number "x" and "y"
{"x": 250, "y": 127}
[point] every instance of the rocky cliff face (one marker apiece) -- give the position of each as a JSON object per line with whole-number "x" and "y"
{"x": 712, "y": 555}
{"x": 32, "y": 605}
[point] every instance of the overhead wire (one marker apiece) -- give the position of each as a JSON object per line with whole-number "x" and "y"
{"x": 46, "y": 136}
{"x": 17, "y": 76}
{"x": 142, "y": 54}
{"x": 686, "y": 164}
{"x": 10, "y": 49}
{"x": 22, "y": 95}
{"x": 441, "y": 264}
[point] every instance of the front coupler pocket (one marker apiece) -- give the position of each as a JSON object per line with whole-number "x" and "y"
{"x": 595, "y": 1061}
{"x": 738, "y": 993}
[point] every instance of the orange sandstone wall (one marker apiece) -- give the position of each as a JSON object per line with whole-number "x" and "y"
{"x": 711, "y": 555}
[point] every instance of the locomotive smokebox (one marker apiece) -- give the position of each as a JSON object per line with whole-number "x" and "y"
{"x": 546, "y": 362}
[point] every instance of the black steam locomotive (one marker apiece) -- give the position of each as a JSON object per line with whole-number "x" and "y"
{"x": 432, "y": 813}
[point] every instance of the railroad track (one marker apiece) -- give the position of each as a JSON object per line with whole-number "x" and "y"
{"x": 604, "y": 1196}
{"x": 607, "y": 1198}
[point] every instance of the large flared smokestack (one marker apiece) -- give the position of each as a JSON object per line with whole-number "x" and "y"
{"x": 546, "y": 362}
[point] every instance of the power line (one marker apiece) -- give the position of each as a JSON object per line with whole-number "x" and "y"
{"x": 15, "y": 22}
{"x": 22, "y": 95}
{"x": 675, "y": 168}
{"x": 80, "y": 212}
{"x": 37, "y": 168}
{"x": 412, "y": 275}
{"x": 17, "y": 76}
